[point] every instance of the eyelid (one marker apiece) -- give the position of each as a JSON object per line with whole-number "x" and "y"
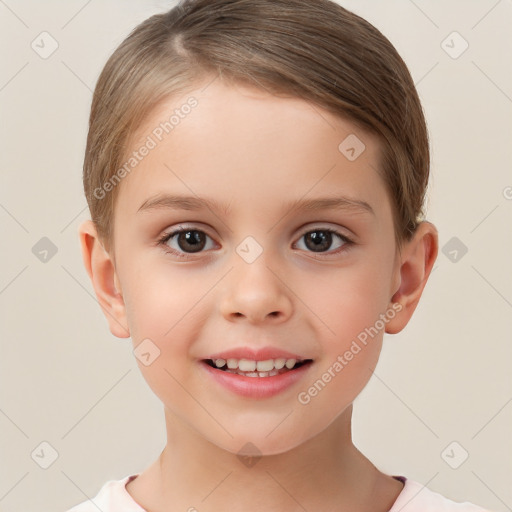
{"x": 169, "y": 233}
{"x": 339, "y": 230}
{"x": 311, "y": 226}
{"x": 303, "y": 230}
{"x": 184, "y": 226}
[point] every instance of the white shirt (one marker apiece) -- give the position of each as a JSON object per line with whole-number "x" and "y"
{"x": 415, "y": 497}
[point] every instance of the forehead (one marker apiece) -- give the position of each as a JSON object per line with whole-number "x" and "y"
{"x": 242, "y": 145}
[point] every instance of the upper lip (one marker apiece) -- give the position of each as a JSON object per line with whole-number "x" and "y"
{"x": 262, "y": 354}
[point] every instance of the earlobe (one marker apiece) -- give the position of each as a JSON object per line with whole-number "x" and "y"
{"x": 101, "y": 271}
{"x": 417, "y": 260}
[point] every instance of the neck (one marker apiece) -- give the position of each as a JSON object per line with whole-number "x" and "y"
{"x": 325, "y": 471}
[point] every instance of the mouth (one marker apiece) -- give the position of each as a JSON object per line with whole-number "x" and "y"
{"x": 261, "y": 369}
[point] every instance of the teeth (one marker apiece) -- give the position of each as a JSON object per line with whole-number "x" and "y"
{"x": 255, "y": 367}
{"x": 245, "y": 365}
{"x": 279, "y": 363}
{"x": 255, "y": 374}
{"x": 265, "y": 366}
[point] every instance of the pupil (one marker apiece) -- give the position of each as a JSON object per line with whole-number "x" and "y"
{"x": 191, "y": 241}
{"x": 319, "y": 242}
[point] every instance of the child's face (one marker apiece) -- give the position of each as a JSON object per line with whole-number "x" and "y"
{"x": 255, "y": 154}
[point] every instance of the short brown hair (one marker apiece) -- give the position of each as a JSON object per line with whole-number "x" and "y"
{"x": 310, "y": 49}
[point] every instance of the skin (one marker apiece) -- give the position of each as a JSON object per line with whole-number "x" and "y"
{"x": 254, "y": 153}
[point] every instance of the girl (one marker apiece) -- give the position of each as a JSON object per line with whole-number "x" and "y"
{"x": 255, "y": 172}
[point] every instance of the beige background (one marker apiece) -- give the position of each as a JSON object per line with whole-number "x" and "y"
{"x": 65, "y": 380}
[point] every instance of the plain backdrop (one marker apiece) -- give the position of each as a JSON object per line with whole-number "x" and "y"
{"x": 71, "y": 395}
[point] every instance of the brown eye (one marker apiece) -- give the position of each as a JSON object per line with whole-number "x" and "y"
{"x": 318, "y": 241}
{"x": 191, "y": 240}
{"x": 185, "y": 241}
{"x": 321, "y": 239}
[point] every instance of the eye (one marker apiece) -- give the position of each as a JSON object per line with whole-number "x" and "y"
{"x": 319, "y": 239}
{"x": 184, "y": 240}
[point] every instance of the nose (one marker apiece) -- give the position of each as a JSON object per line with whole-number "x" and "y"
{"x": 256, "y": 293}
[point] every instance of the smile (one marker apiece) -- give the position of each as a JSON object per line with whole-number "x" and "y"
{"x": 251, "y": 368}
{"x": 256, "y": 379}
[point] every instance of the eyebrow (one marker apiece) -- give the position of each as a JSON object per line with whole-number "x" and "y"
{"x": 191, "y": 203}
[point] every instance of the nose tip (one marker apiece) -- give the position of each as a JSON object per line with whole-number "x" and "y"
{"x": 256, "y": 295}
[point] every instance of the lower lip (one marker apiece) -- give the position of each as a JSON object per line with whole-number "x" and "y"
{"x": 257, "y": 387}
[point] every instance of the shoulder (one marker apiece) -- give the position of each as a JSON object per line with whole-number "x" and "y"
{"x": 415, "y": 497}
{"x": 112, "y": 497}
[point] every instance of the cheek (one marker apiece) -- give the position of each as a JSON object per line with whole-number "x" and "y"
{"x": 160, "y": 303}
{"x": 338, "y": 382}
{"x": 347, "y": 300}
{"x": 165, "y": 313}
{"x": 160, "y": 325}
{"x": 351, "y": 336}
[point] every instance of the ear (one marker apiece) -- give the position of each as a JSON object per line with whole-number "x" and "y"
{"x": 101, "y": 270}
{"x": 414, "y": 267}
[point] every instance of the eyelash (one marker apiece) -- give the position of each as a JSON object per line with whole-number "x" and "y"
{"x": 189, "y": 256}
